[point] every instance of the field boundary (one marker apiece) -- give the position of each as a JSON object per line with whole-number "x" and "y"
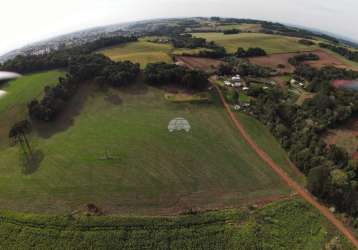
{"x": 284, "y": 176}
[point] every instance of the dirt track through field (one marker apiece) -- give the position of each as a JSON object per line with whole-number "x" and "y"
{"x": 283, "y": 175}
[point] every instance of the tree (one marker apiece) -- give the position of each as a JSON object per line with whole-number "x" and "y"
{"x": 18, "y": 135}
{"x": 318, "y": 181}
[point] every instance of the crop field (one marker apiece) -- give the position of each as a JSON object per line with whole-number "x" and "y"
{"x": 270, "y": 43}
{"x": 205, "y": 64}
{"x": 145, "y": 52}
{"x": 290, "y": 223}
{"x": 114, "y": 150}
{"x": 19, "y": 93}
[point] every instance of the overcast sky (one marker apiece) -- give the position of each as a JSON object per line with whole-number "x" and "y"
{"x": 24, "y": 21}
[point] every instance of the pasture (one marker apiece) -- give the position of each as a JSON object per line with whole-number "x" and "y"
{"x": 112, "y": 148}
{"x": 270, "y": 43}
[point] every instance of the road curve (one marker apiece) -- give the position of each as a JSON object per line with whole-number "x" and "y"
{"x": 284, "y": 176}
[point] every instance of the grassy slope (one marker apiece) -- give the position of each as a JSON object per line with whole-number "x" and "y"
{"x": 270, "y": 43}
{"x": 154, "y": 171}
{"x": 288, "y": 224}
{"x": 19, "y": 93}
{"x": 145, "y": 52}
{"x": 263, "y": 137}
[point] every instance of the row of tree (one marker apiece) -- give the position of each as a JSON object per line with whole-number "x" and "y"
{"x": 296, "y": 60}
{"x": 160, "y": 74}
{"x": 82, "y": 68}
{"x": 347, "y": 53}
{"x": 250, "y": 52}
{"x": 60, "y": 58}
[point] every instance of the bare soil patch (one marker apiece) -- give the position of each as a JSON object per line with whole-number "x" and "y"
{"x": 345, "y": 136}
{"x": 200, "y": 63}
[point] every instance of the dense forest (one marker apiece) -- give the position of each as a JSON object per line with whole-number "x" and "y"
{"x": 332, "y": 175}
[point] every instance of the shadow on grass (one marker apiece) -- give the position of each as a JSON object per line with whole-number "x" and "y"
{"x": 31, "y": 163}
{"x": 67, "y": 116}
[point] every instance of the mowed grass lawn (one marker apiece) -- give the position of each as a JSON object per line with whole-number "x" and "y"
{"x": 145, "y": 52}
{"x": 19, "y": 93}
{"x": 148, "y": 171}
{"x": 270, "y": 43}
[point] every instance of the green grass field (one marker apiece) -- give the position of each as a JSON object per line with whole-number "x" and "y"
{"x": 290, "y": 224}
{"x": 145, "y": 52}
{"x": 264, "y": 138}
{"x": 149, "y": 170}
{"x": 19, "y": 93}
{"x": 270, "y": 43}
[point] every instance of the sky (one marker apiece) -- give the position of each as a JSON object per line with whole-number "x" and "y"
{"x": 23, "y": 21}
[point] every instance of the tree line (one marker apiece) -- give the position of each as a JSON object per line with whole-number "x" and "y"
{"x": 160, "y": 74}
{"x": 296, "y": 60}
{"x": 81, "y": 69}
{"x": 347, "y": 53}
{"x": 250, "y": 52}
{"x": 60, "y": 58}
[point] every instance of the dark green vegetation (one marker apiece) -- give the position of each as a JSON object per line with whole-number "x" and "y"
{"x": 159, "y": 74}
{"x": 59, "y": 58}
{"x": 287, "y": 224}
{"x": 332, "y": 176}
{"x": 250, "y": 52}
{"x": 302, "y": 58}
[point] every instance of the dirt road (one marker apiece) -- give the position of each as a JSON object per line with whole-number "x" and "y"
{"x": 290, "y": 182}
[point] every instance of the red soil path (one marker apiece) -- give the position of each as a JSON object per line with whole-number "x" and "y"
{"x": 283, "y": 175}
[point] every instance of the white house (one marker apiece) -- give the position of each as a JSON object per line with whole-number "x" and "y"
{"x": 245, "y": 88}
